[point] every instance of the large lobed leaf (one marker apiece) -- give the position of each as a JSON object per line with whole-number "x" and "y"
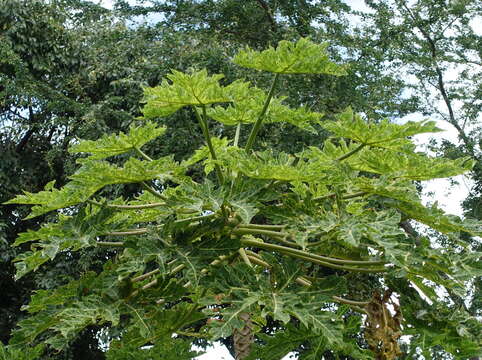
{"x": 111, "y": 145}
{"x": 302, "y": 57}
{"x": 67, "y": 234}
{"x": 92, "y": 176}
{"x": 411, "y": 166}
{"x": 248, "y": 102}
{"x": 196, "y": 89}
{"x": 246, "y": 289}
{"x": 67, "y": 310}
{"x": 384, "y": 134}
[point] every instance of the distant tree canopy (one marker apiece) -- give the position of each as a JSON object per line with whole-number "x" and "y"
{"x": 72, "y": 69}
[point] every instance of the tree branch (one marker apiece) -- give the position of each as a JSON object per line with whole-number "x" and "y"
{"x": 440, "y": 80}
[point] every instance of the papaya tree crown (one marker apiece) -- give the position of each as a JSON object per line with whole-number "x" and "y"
{"x": 316, "y": 242}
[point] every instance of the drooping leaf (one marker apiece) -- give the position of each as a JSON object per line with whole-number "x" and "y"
{"x": 436, "y": 218}
{"x": 111, "y": 145}
{"x": 384, "y": 134}
{"x": 450, "y": 328}
{"x": 69, "y": 233}
{"x": 93, "y": 176}
{"x": 65, "y": 322}
{"x": 409, "y": 165}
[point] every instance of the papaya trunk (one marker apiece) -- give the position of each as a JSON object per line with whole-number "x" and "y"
{"x": 243, "y": 338}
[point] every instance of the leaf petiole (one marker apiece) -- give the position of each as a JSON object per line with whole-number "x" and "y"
{"x": 257, "y": 124}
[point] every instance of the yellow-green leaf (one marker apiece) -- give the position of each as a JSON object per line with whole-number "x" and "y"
{"x": 302, "y": 57}
{"x": 197, "y": 89}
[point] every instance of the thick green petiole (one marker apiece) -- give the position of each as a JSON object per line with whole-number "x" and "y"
{"x": 110, "y": 243}
{"x": 237, "y": 134}
{"x": 205, "y": 129}
{"x": 262, "y": 226}
{"x": 339, "y": 264}
{"x": 348, "y": 154}
{"x": 250, "y": 231}
{"x": 152, "y": 191}
{"x": 142, "y": 153}
{"x": 257, "y": 124}
{"x": 127, "y": 207}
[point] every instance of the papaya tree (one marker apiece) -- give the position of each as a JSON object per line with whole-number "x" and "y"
{"x": 320, "y": 242}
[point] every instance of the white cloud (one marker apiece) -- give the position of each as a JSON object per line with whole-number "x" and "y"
{"x": 109, "y": 4}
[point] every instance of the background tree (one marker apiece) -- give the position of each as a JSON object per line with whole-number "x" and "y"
{"x": 435, "y": 43}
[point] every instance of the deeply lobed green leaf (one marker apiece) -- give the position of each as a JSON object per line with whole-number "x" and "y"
{"x": 248, "y": 103}
{"x": 385, "y": 134}
{"x": 196, "y": 89}
{"x": 302, "y": 57}
{"x": 92, "y": 176}
{"x": 111, "y": 145}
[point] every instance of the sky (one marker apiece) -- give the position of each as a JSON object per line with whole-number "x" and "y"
{"x": 447, "y": 195}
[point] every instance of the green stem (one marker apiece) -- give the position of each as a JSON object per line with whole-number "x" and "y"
{"x": 258, "y": 261}
{"x": 144, "y": 276}
{"x": 334, "y": 266}
{"x": 289, "y": 243}
{"x": 257, "y": 124}
{"x": 217, "y": 261}
{"x": 348, "y": 154}
{"x": 153, "y": 282}
{"x": 127, "y": 207}
{"x": 195, "y": 218}
{"x": 345, "y": 197}
{"x": 237, "y": 134}
{"x": 142, "y": 153}
{"x": 204, "y": 127}
{"x": 149, "y": 284}
{"x": 110, "y": 243}
{"x": 350, "y": 302}
{"x": 262, "y": 226}
{"x": 324, "y": 197}
{"x": 359, "y": 309}
{"x": 307, "y": 255}
{"x": 192, "y": 334}
{"x": 152, "y": 191}
{"x": 248, "y": 231}
{"x": 278, "y": 236}
{"x": 139, "y": 231}
{"x": 177, "y": 269}
{"x": 303, "y": 281}
{"x": 355, "y": 305}
{"x": 354, "y": 195}
{"x": 252, "y": 253}
{"x": 245, "y": 257}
